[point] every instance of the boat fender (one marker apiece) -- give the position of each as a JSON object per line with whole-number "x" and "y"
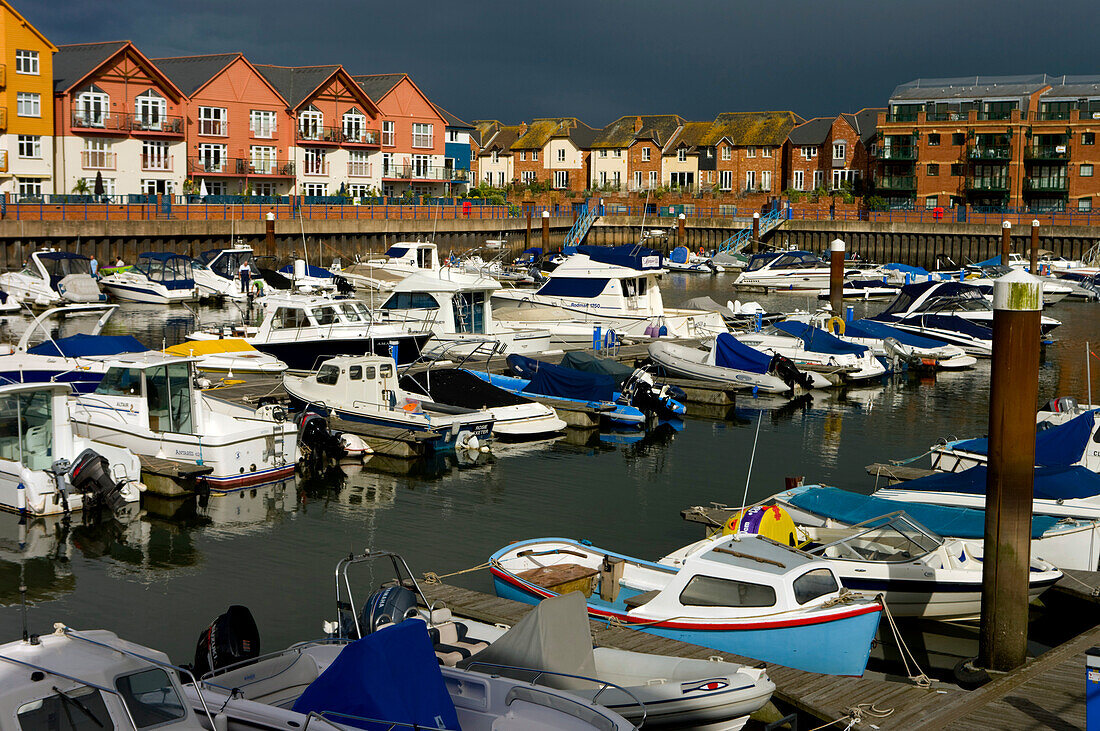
{"x": 838, "y": 323}
{"x": 769, "y": 521}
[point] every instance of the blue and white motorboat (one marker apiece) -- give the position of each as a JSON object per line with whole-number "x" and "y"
{"x": 365, "y": 389}
{"x": 888, "y": 342}
{"x": 680, "y": 259}
{"x": 158, "y": 278}
{"x": 1067, "y": 543}
{"x": 64, "y": 345}
{"x": 790, "y": 270}
{"x": 742, "y": 594}
{"x": 813, "y": 349}
{"x": 586, "y": 391}
{"x": 51, "y": 277}
{"x": 731, "y": 362}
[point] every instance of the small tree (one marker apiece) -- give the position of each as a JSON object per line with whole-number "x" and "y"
{"x": 81, "y": 187}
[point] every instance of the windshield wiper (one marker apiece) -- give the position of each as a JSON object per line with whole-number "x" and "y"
{"x": 80, "y": 706}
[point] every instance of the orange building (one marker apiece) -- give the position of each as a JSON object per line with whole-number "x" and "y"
{"x": 26, "y": 111}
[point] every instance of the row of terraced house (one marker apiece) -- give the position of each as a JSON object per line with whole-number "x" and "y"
{"x": 105, "y": 118}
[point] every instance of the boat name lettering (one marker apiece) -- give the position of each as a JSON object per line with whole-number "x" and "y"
{"x": 651, "y": 261}
{"x": 185, "y": 453}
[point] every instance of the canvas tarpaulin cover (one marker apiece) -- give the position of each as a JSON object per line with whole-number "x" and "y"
{"x": 547, "y": 379}
{"x": 1058, "y": 446}
{"x": 729, "y": 352}
{"x": 1051, "y": 483}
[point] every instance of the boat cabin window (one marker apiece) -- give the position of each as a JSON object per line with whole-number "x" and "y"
{"x": 424, "y": 258}
{"x": 369, "y": 372}
{"x": 350, "y": 313}
{"x": 120, "y": 382}
{"x": 573, "y": 287}
{"x": 168, "y": 393}
{"x": 411, "y": 301}
{"x": 385, "y": 370}
{"x": 80, "y": 709}
{"x": 151, "y": 698}
{"x": 396, "y": 252}
{"x": 634, "y": 287}
{"x": 26, "y": 429}
{"x": 759, "y": 262}
{"x": 469, "y": 312}
{"x": 63, "y": 267}
{"x": 325, "y": 315}
{"x": 355, "y": 373}
{"x": 812, "y": 584}
{"x": 30, "y": 270}
{"x": 710, "y": 591}
{"x": 287, "y": 318}
{"x": 328, "y": 375}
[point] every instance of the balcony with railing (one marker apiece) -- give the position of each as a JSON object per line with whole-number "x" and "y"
{"x": 989, "y": 152}
{"x": 987, "y": 183}
{"x": 331, "y": 136}
{"x": 97, "y": 122}
{"x": 121, "y": 124}
{"x": 316, "y": 168}
{"x": 1000, "y": 115}
{"x": 418, "y": 172}
{"x": 154, "y": 163}
{"x": 897, "y": 153}
{"x": 266, "y": 167}
{"x": 213, "y": 128}
{"x": 1053, "y": 115}
{"x": 901, "y": 117}
{"x": 1046, "y": 185}
{"x": 161, "y": 125}
{"x": 357, "y": 169}
{"x": 97, "y": 160}
{"x": 239, "y": 166}
{"x": 1053, "y": 153}
{"x": 896, "y": 182}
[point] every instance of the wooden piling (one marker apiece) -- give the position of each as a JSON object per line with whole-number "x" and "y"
{"x": 836, "y": 277}
{"x": 1034, "y": 247}
{"x": 269, "y": 234}
{"x": 1006, "y": 242}
{"x": 527, "y": 236}
{"x": 1014, "y": 392}
{"x": 681, "y": 224}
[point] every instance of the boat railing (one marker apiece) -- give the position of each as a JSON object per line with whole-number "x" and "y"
{"x": 604, "y": 685}
{"x": 402, "y": 574}
{"x": 79, "y": 404}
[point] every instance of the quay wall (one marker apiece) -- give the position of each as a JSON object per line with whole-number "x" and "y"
{"x": 916, "y": 244}
{"x": 324, "y": 239}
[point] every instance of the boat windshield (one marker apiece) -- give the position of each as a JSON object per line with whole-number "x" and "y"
{"x": 760, "y": 261}
{"x": 891, "y": 538}
{"x": 26, "y": 434}
{"x": 79, "y": 709}
{"x": 150, "y": 697}
{"x": 60, "y": 267}
{"x": 969, "y": 301}
{"x": 350, "y": 312}
{"x": 797, "y": 260}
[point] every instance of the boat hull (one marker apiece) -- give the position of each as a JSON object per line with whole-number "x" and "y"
{"x": 681, "y": 361}
{"x": 304, "y": 355}
{"x": 152, "y": 294}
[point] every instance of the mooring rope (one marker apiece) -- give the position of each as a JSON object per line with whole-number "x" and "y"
{"x": 857, "y": 714}
{"x": 920, "y": 679}
{"x": 430, "y": 577}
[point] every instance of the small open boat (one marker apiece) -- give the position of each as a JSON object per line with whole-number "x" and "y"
{"x": 813, "y": 349}
{"x": 742, "y": 594}
{"x": 732, "y": 362}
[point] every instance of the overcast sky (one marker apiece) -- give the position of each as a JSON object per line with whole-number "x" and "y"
{"x": 601, "y": 59}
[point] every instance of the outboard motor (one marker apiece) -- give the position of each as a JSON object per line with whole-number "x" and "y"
{"x": 785, "y": 369}
{"x": 391, "y": 605}
{"x": 1061, "y": 405}
{"x": 343, "y": 286}
{"x": 91, "y": 476}
{"x": 315, "y": 440}
{"x": 231, "y": 638}
{"x": 641, "y": 391}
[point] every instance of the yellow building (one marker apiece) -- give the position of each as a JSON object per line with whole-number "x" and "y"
{"x": 26, "y": 107}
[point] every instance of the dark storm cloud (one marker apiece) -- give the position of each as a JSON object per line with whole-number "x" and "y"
{"x": 600, "y": 59}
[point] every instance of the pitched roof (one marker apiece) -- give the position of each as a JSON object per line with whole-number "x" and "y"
{"x": 1074, "y": 87}
{"x": 296, "y": 83}
{"x": 621, "y": 133}
{"x": 768, "y": 129}
{"x": 452, "y": 120}
{"x": 29, "y": 27}
{"x": 971, "y": 87}
{"x": 189, "y": 73}
{"x": 73, "y": 62}
{"x": 865, "y": 122}
{"x": 502, "y": 140}
{"x": 812, "y": 132}
{"x": 541, "y": 131}
{"x": 378, "y": 85}
{"x": 690, "y": 135}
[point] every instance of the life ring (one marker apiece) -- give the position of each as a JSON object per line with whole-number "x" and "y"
{"x": 839, "y": 325}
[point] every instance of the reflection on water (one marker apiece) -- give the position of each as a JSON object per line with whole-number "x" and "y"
{"x": 161, "y": 574}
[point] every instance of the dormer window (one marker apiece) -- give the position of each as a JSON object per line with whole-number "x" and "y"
{"x": 92, "y": 105}
{"x": 681, "y": 155}
{"x": 150, "y": 108}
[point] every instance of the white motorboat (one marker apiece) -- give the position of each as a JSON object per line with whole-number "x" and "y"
{"x": 300, "y": 330}
{"x": 51, "y": 277}
{"x": 454, "y": 389}
{"x": 365, "y": 389}
{"x": 892, "y": 345}
{"x": 609, "y": 287}
{"x": 680, "y": 259}
{"x": 9, "y": 304}
{"x": 1065, "y": 542}
{"x": 813, "y": 349}
{"x": 457, "y": 308}
{"x": 45, "y": 469}
{"x": 399, "y": 261}
{"x": 65, "y": 345}
{"x": 918, "y": 573}
{"x": 554, "y": 639}
{"x": 1054, "y": 290}
{"x": 158, "y": 278}
{"x": 149, "y": 403}
{"x": 217, "y": 272}
{"x": 732, "y": 362}
{"x": 787, "y": 270}
{"x": 232, "y": 356}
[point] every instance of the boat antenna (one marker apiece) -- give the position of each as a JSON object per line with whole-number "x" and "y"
{"x": 748, "y": 477}
{"x": 641, "y": 238}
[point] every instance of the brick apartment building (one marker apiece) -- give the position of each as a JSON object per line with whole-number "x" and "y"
{"x": 827, "y": 152}
{"x": 998, "y": 141}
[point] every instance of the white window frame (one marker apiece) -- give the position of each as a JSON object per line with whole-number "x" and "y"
{"x": 616, "y": 178}
{"x": 150, "y": 109}
{"x": 31, "y": 144}
{"x": 654, "y": 180}
{"x": 603, "y": 153}
{"x": 29, "y": 188}
{"x": 156, "y": 155}
{"x": 603, "y": 178}
{"x": 28, "y": 104}
{"x": 93, "y": 108}
{"x": 528, "y": 176}
{"x": 213, "y": 156}
{"x": 108, "y": 185}
{"x": 213, "y": 121}
{"x": 638, "y": 179}
{"x": 262, "y": 159}
{"x": 725, "y": 180}
{"x": 523, "y": 156}
{"x": 423, "y": 135}
{"x": 766, "y": 152}
{"x": 314, "y": 162}
{"x": 452, "y": 135}
{"x": 727, "y": 153}
{"x": 421, "y": 166}
{"x": 750, "y": 152}
{"x": 840, "y": 150}
{"x": 766, "y": 180}
{"x": 26, "y": 62}
{"x": 561, "y": 179}
{"x": 561, "y": 154}
{"x": 500, "y": 179}
{"x": 534, "y": 155}
{"x": 264, "y": 188}
{"x": 263, "y": 123}
{"x": 315, "y": 190}
{"x": 618, "y": 152}
{"x": 645, "y": 154}
{"x": 819, "y": 179}
{"x": 750, "y": 180}
{"x": 798, "y": 181}
{"x": 149, "y": 186}
{"x": 809, "y": 152}
{"x": 353, "y": 125}
{"x": 311, "y": 123}
{"x": 97, "y": 155}
{"x": 389, "y": 135}
{"x": 682, "y": 155}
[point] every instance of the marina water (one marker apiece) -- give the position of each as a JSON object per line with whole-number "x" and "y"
{"x": 160, "y": 576}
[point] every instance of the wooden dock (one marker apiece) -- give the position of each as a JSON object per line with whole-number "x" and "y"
{"x": 171, "y": 479}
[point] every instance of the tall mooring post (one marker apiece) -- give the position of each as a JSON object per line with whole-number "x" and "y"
{"x": 755, "y": 232}
{"x": 681, "y": 236}
{"x": 1034, "y": 269}
{"x": 269, "y": 233}
{"x": 1013, "y": 395}
{"x": 527, "y": 237}
{"x": 546, "y": 232}
{"x": 1006, "y": 242}
{"x": 836, "y": 276}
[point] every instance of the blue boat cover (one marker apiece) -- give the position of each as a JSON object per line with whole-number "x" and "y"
{"x": 880, "y": 331}
{"x": 547, "y": 379}
{"x": 1058, "y": 446}
{"x": 819, "y": 341}
{"x": 573, "y": 287}
{"x": 78, "y": 346}
{"x": 994, "y": 261}
{"x": 679, "y": 255}
{"x": 1051, "y": 483}
{"x": 60, "y": 255}
{"x": 905, "y": 268}
{"x": 851, "y": 508}
{"x": 311, "y": 271}
{"x": 632, "y": 257}
{"x": 729, "y": 352}
{"x": 534, "y": 251}
{"x": 389, "y": 675}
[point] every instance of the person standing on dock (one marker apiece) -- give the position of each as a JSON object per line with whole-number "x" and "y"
{"x": 94, "y": 263}
{"x": 245, "y": 274}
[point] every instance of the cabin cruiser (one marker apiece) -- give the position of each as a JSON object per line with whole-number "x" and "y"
{"x": 610, "y": 287}
{"x": 398, "y": 261}
{"x": 227, "y": 355}
{"x": 1054, "y": 290}
{"x": 787, "y": 270}
{"x": 917, "y": 573}
{"x": 51, "y": 277}
{"x": 892, "y": 345}
{"x": 458, "y": 309}
{"x": 301, "y": 329}
{"x": 64, "y": 345}
{"x": 150, "y": 404}
{"x": 554, "y": 638}
{"x": 217, "y": 272}
{"x": 45, "y": 469}
{"x": 731, "y": 362}
{"x": 158, "y": 277}
{"x": 813, "y": 349}
{"x": 365, "y": 389}
{"x": 743, "y": 594}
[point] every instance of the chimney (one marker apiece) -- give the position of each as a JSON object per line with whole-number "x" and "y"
{"x": 523, "y": 128}
{"x": 637, "y": 124}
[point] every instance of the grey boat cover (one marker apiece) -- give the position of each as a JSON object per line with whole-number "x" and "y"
{"x": 708, "y": 305}
{"x": 580, "y": 360}
{"x": 553, "y": 636}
